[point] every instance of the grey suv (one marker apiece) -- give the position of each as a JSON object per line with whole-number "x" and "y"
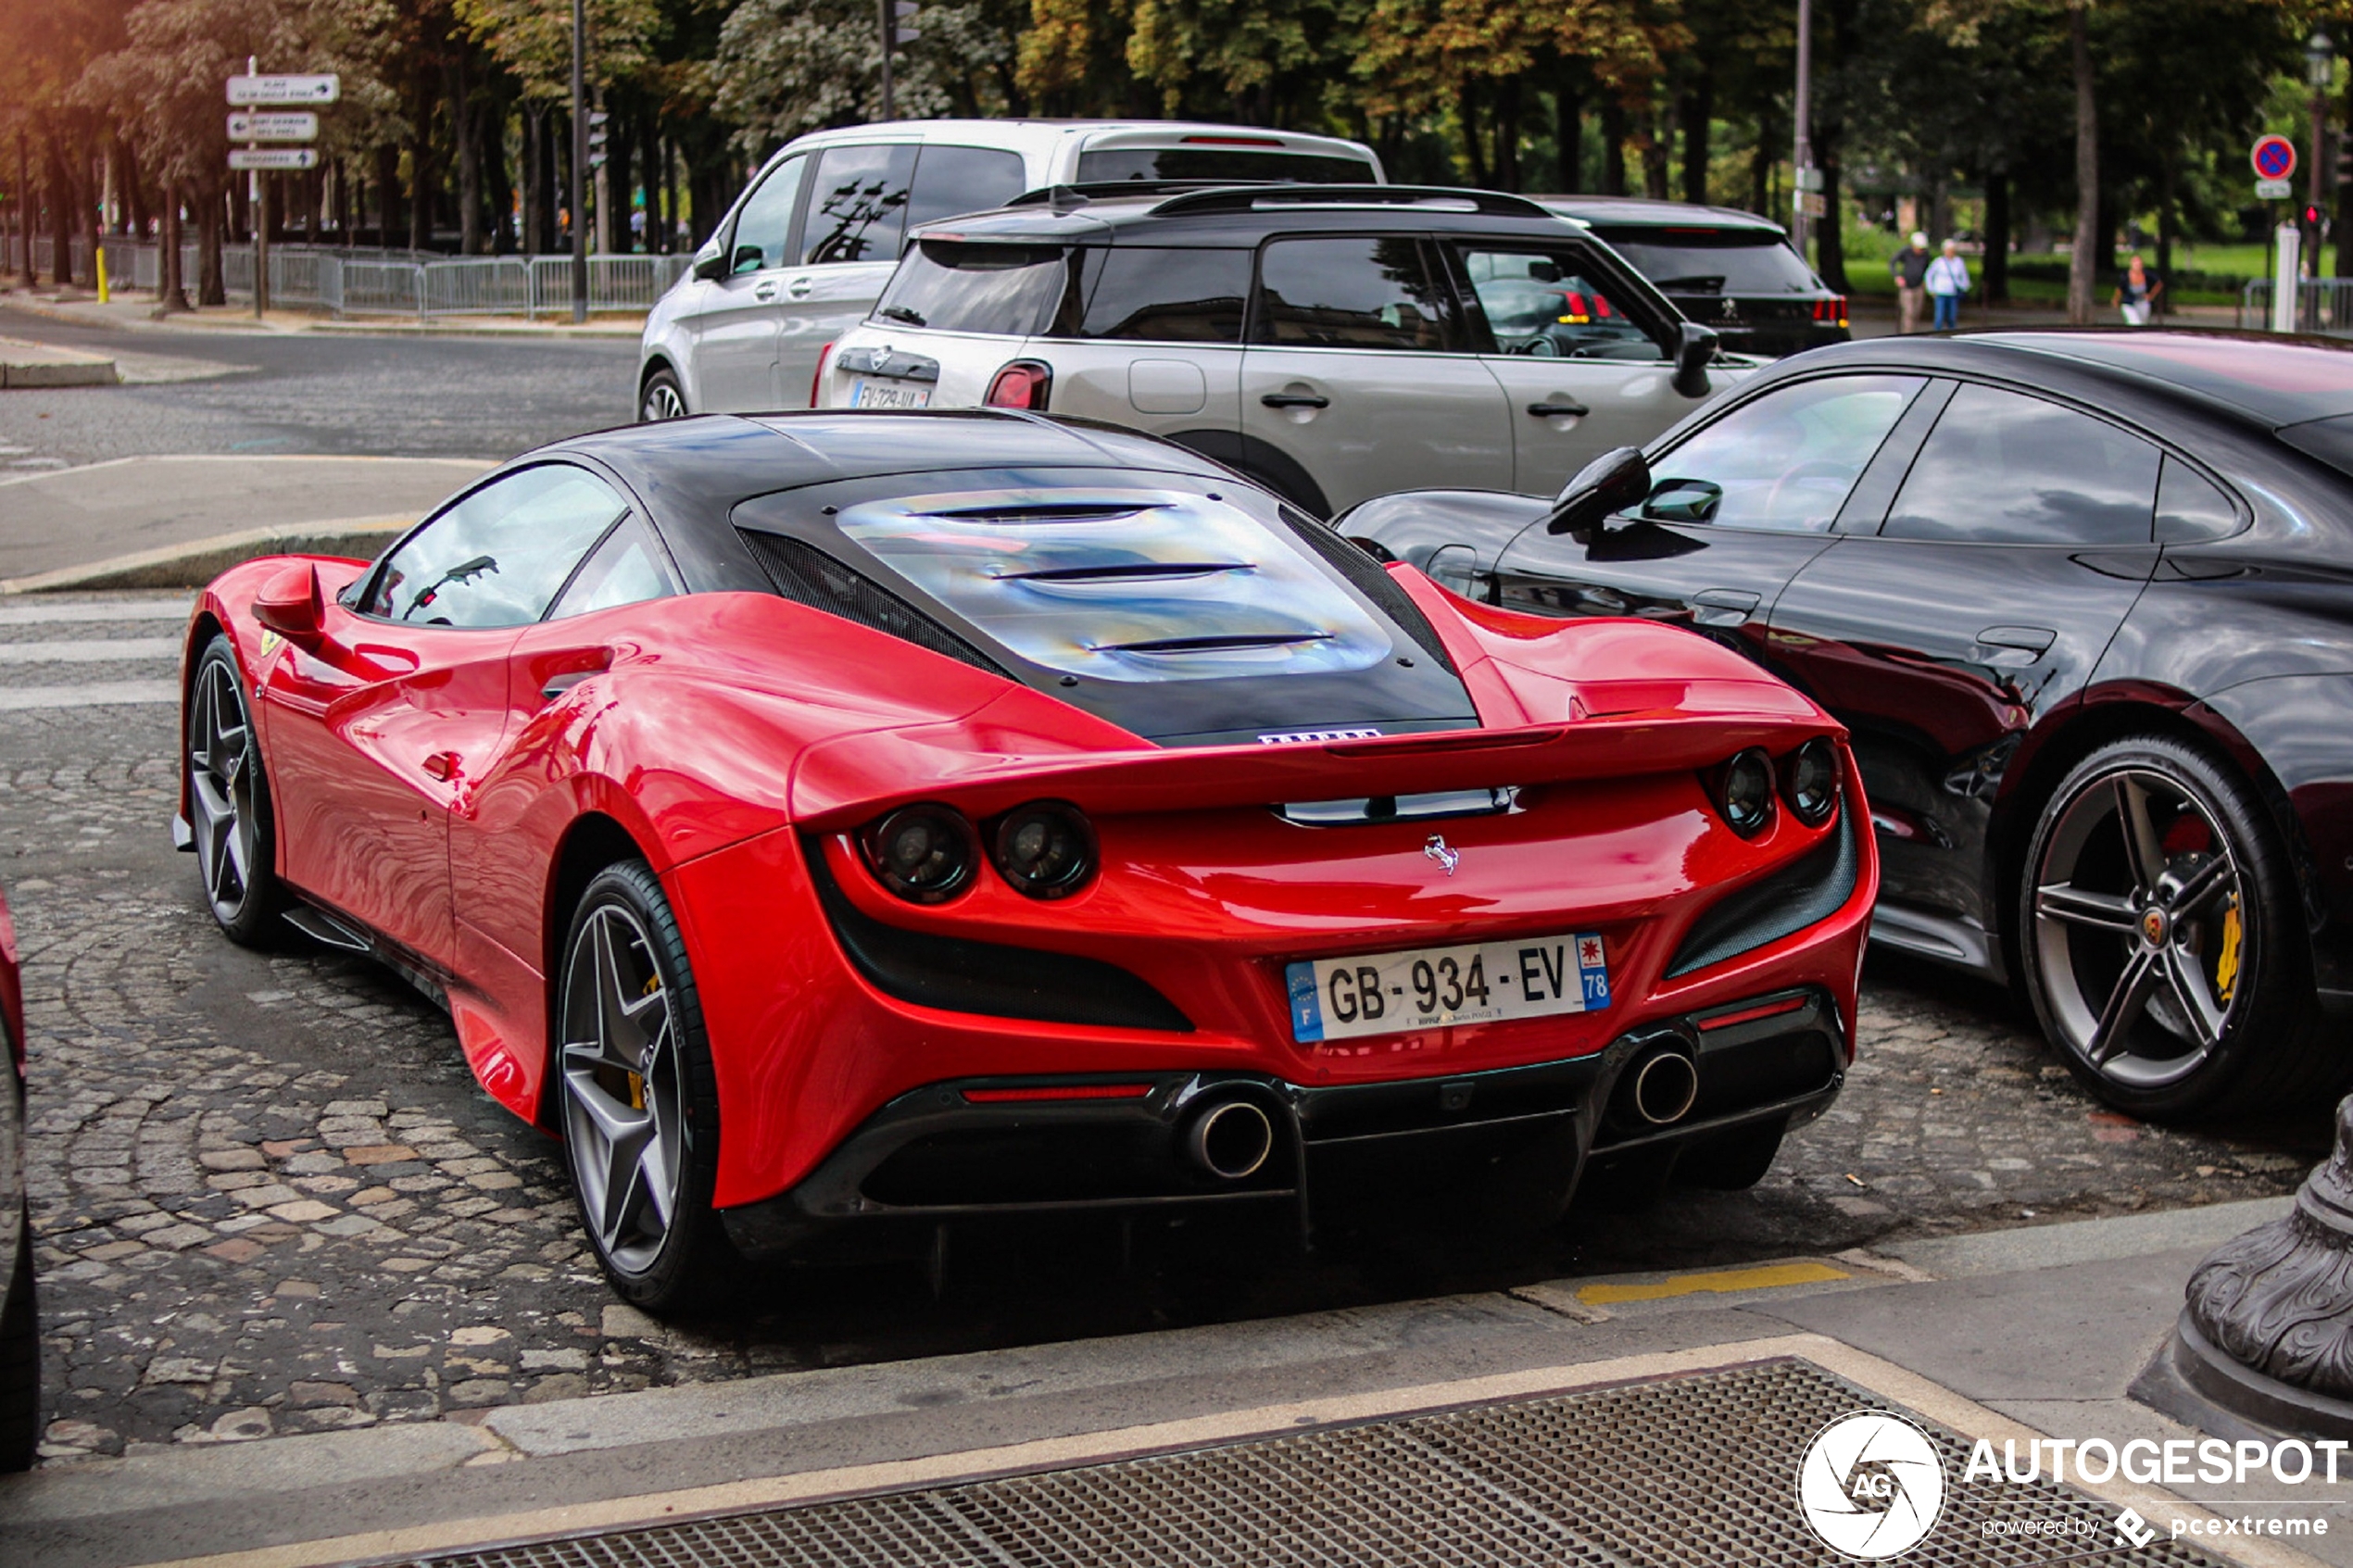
{"x": 1334, "y": 342}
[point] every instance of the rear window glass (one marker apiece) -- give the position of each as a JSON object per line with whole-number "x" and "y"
{"x": 1713, "y": 261}
{"x": 953, "y": 181}
{"x": 1164, "y": 296}
{"x": 952, "y": 287}
{"x": 2329, "y": 439}
{"x": 1221, "y": 164}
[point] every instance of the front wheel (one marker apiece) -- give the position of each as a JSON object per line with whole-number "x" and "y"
{"x": 2158, "y": 921}
{"x": 662, "y": 398}
{"x": 228, "y": 801}
{"x": 640, "y": 1107}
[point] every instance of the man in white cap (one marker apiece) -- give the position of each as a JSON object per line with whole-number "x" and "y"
{"x": 1910, "y": 268}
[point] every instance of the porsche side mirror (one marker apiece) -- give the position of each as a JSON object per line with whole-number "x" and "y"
{"x": 1693, "y": 351}
{"x": 1609, "y": 485}
{"x": 292, "y": 605}
{"x": 710, "y": 262}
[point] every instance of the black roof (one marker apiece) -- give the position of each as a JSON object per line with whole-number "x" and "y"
{"x": 1618, "y": 212}
{"x": 1240, "y": 215}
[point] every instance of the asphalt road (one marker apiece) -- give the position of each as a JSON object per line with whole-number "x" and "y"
{"x": 220, "y": 390}
{"x": 270, "y": 1199}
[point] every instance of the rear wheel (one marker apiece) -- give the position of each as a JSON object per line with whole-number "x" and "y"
{"x": 640, "y": 1108}
{"x": 2160, "y": 919}
{"x": 19, "y": 1363}
{"x": 228, "y": 801}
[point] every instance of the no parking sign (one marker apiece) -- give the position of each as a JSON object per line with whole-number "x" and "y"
{"x": 2274, "y": 156}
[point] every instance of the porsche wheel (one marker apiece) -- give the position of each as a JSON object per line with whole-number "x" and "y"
{"x": 640, "y": 1110}
{"x": 19, "y": 1363}
{"x": 663, "y": 398}
{"x": 228, "y": 801}
{"x": 2159, "y": 919}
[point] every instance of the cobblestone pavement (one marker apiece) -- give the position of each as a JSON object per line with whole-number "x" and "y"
{"x": 269, "y": 1199}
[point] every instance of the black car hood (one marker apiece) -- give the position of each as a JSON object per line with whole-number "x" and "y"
{"x": 1184, "y": 610}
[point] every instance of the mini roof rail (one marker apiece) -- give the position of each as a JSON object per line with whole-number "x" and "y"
{"x": 1233, "y": 198}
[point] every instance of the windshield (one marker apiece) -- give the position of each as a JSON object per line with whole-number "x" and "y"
{"x": 1222, "y": 164}
{"x": 1714, "y": 260}
{"x": 950, "y": 287}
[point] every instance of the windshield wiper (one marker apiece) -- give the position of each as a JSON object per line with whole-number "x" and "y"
{"x": 900, "y": 313}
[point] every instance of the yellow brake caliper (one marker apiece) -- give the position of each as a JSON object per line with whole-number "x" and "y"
{"x": 637, "y": 1079}
{"x": 2226, "y": 964}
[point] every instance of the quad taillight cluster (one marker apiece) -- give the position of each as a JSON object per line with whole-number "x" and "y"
{"x": 1831, "y": 312}
{"x": 1582, "y": 308}
{"x": 929, "y": 854}
{"x": 1024, "y": 383}
{"x": 1806, "y": 779}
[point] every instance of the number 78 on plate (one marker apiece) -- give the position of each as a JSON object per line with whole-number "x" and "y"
{"x": 1436, "y": 987}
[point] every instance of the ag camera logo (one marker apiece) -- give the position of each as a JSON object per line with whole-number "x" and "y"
{"x": 1870, "y": 1486}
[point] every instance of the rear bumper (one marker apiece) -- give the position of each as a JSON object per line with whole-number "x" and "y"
{"x": 1515, "y": 1138}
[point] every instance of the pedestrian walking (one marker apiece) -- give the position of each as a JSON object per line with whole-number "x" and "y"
{"x": 2138, "y": 292}
{"x": 1947, "y": 284}
{"x": 1910, "y": 268}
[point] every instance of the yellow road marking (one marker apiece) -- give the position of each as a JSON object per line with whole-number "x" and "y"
{"x": 1721, "y": 1282}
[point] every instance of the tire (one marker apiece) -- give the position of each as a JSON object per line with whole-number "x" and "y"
{"x": 228, "y": 801}
{"x": 2159, "y": 925}
{"x": 1732, "y": 1161}
{"x": 661, "y": 398}
{"x": 639, "y": 1106}
{"x": 20, "y": 1362}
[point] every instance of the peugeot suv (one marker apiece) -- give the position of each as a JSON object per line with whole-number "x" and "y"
{"x": 801, "y": 256}
{"x": 1725, "y": 269}
{"x": 1332, "y": 342}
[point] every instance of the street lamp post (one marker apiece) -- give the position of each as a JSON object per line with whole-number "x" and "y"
{"x": 579, "y": 160}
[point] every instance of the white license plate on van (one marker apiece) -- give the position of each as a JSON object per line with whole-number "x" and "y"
{"x": 865, "y": 393}
{"x": 1438, "y": 987}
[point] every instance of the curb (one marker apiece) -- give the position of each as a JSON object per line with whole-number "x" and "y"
{"x": 618, "y": 331}
{"x": 197, "y": 562}
{"x": 40, "y": 364}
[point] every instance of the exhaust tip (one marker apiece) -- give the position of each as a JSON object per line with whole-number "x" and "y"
{"x": 1665, "y": 1086}
{"x": 1231, "y": 1140}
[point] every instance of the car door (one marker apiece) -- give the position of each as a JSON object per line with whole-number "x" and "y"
{"x": 1158, "y": 343}
{"x": 375, "y": 738}
{"x": 850, "y": 233}
{"x": 1357, "y": 372}
{"x": 737, "y": 325}
{"x": 2018, "y": 538}
{"x": 1735, "y": 509}
{"x": 1582, "y": 365}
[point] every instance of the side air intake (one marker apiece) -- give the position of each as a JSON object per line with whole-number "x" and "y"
{"x": 808, "y": 576}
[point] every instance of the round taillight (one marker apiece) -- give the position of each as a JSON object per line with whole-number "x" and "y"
{"x": 1745, "y": 797}
{"x": 922, "y": 853}
{"x": 1811, "y": 783}
{"x": 1045, "y": 849}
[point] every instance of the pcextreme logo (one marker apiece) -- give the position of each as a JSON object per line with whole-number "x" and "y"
{"x": 1870, "y": 1486}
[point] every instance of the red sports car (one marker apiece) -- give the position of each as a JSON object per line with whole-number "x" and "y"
{"x": 839, "y": 820}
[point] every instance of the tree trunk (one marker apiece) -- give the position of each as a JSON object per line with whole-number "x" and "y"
{"x": 2087, "y": 169}
{"x": 1613, "y": 145}
{"x": 2344, "y": 230}
{"x": 1761, "y": 164}
{"x": 90, "y": 216}
{"x": 463, "y": 127}
{"x": 210, "y": 288}
{"x": 419, "y": 194}
{"x": 172, "y": 289}
{"x": 1699, "y": 107}
{"x": 27, "y": 209}
{"x": 649, "y": 175}
{"x": 134, "y": 197}
{"x": 1830, "y": 236}
{"x": 499, "y": 183}
{"x": 1507, "y": 133}
{"x": 1466, "y": 108}
{"x": 1655, "y": 154}
{"x": 1998, "y": 239}
{"x": 60, "y": 204}
{"x": 531, "y": 140}
{"x": 1568, "y": 132}
{"x": 2165, "y": 223}
{"x": 669, "y": 196}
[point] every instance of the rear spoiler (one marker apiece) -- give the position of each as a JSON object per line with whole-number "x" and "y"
{"x": 852, "y": 779}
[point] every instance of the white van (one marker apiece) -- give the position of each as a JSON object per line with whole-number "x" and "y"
{"x": 803, "y": 255}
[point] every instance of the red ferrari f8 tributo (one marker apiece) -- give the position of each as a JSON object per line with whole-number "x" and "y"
{"x": 831, "y": 820}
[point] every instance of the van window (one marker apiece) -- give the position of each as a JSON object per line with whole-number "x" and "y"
{"x": 1166, "y": 295}
{"x": 951, "y": 287}
{"x": 1222, "y": 165}
{"x": 857, "y": 204}
{"x": 951, "y": 181}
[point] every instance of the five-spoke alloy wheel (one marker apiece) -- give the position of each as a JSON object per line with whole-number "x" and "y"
{"x": 228, "y": 800}
{"x": 640, "y": 1114}
{"x": 2151, "y": 894}
{"x": 663, "y": 398}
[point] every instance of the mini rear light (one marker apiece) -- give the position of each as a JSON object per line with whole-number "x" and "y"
{"x": 1744, "y": 794}
{"x": 1810, "y": 782}
{"x": 817, "y": 381}
{"x": 923, "y": 853}
{"x": 1057, "y": 1091}
{"x": 1024, "y": 383}
{"x": 1046, "y": 849}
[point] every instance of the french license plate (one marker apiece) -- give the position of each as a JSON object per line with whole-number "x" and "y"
{"x": 1433, "y": 987}
{"x": 865, "y": 393}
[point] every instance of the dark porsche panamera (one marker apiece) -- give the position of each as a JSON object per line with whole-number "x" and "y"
{"x": 2086, "y": 602}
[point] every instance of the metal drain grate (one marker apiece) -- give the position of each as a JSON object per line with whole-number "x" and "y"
{"x": 1698, "y": 1470}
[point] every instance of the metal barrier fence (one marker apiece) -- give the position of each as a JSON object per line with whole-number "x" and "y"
{"x": 388, "y": 282}
{"x": 2323, "y": 304}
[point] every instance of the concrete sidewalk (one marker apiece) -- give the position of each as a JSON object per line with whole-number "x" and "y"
{"x": 173, "y": 521}
{"x": 140, "y": 311}
{"x": 2003, "y": 1336}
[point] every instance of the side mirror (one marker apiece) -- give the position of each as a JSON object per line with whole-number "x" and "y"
{"x": 292, "y": 605}
{"x": 710, "y": 262}
{"x": 1609, "y": 484}
{"x": 1693, "y": 351}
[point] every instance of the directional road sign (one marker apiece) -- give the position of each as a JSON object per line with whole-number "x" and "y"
{"x": 283, "y": 126}
{"x": 273, "y": 157}
{"x": 285, "y": 89}
{"x": 2274, "y": 156}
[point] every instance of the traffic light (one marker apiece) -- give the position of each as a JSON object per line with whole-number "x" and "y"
{"x": 597, "y": 119}
{"x": 902, "y": 15}
{"x": 2311, "y": 215}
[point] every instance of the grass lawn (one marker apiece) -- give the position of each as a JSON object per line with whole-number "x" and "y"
{"x": 1867, "y": 251}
